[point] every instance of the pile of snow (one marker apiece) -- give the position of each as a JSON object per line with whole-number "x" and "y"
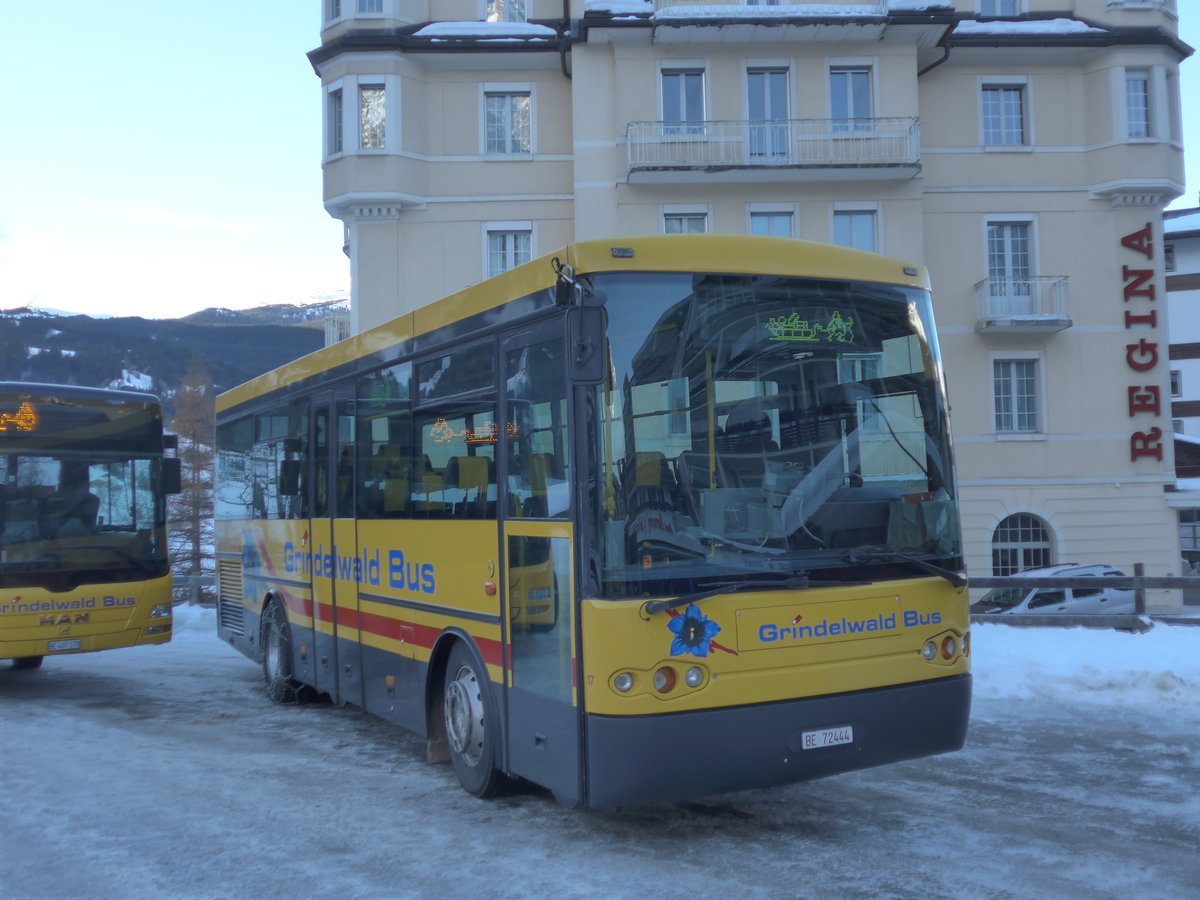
{"x": 1160, "y": 667}
{"x": 486, "y": 30}
{"x": 1039, "y": 27}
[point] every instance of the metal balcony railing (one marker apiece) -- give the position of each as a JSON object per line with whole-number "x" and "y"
{"x": 782, "y": 142}
{"x": 1033, "y": 303}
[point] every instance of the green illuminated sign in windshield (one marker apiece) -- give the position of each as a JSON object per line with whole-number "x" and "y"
{"x": 833, "y": 330}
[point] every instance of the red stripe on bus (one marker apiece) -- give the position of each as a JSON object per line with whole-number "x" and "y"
{"x": 410, "y": 632}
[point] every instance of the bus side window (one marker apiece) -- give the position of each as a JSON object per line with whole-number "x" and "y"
{"x": 537, "y": 445}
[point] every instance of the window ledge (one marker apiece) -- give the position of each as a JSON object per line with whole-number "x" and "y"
{"x": 1020, "y": 436}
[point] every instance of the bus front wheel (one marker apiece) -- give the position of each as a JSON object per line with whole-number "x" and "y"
{"x": 276, "y": 641}
{"x": 470, "y": 724}
{"x": 27, "y": 662}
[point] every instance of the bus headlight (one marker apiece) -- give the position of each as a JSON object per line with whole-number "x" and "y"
{"x": 930, "y": 651}
{"x": 949, "y": 646}
{"x": 623, "y": 682}
{"x": 161, "y": 611}
{"x": 664, "y": 680}
{"x": 693, "y": 677}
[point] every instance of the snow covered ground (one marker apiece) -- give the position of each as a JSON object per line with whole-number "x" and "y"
{"x": 165, "y": 772}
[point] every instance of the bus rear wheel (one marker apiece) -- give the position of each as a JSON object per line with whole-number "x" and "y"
{"x": 27, "y": 662}
{"x": 470, "y": 724}
{"x": 276, "y": 642}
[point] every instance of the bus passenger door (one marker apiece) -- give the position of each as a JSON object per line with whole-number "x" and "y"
{"x": 335, "y": 551}
{"x": 320, "y": 543}
{"x": 543, "y": 700}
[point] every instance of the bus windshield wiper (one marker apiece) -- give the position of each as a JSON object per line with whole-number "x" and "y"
{"x": 792, "y": 582}
{"x": 865, "y": 555}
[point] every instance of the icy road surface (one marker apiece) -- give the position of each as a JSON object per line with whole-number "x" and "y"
{"x": 164, "y": 772}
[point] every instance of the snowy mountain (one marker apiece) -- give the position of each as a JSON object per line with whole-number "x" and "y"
{"x": 154, "y": 355}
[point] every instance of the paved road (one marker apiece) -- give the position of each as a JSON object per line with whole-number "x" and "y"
{"x": 164, "y": 772}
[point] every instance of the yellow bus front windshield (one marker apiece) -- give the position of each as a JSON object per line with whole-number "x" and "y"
{"x": 767, "y": 429}
{"x": 71, "y": 519}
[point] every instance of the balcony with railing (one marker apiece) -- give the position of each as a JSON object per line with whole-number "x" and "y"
{"x": 777, "y": 150}
{"x": 1031, "y": 305}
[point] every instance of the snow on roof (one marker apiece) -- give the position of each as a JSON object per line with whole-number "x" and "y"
{"x": 1176, "y": 224}
{"x": 918, "y": 5}
{"x": 735, "y": 10}
{"x": 1038, "y": 27}
{"x": 487, "y": 30}
{"x": 619, "y": 7}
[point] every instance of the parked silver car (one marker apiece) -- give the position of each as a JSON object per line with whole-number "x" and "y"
{"x": 1076, "y": 601}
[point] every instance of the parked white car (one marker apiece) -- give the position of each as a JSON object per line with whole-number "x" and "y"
{"x": 1075, "y": 601}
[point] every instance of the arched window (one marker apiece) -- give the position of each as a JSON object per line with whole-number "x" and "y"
{"x": 1020, "y": 542}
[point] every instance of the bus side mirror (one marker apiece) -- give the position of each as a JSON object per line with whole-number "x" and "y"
{"x": 289, "y": 477}
{"x": 585, "y": 344}
{"x": 171, "y": 475}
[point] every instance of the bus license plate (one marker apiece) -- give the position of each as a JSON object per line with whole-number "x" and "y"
{"x": 64, "y": 645}
{"x": 826, "y": 737}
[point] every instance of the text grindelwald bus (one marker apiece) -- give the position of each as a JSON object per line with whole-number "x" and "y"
{"x": 83, "y": 529}
{"x": 645, "y": 519}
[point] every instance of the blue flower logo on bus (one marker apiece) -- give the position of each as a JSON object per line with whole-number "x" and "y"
{"x": 694, "y": 633}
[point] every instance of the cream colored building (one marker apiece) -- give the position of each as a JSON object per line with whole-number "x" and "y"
{"x": 1022, "y": 149}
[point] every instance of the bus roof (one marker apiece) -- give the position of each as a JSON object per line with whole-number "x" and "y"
{"x": 726, "y": 253}
{"x": 73, "y": 392}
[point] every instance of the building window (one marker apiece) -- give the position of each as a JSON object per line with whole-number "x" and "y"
{"x": 333, "y": 10}
{"x": 1169, "y": 257}
{"x": 506, "y": 10}
{"x": 854, "y": 228}
{"x": 372, "y": 113}
{"x": 1003, "y": 115}
{"x": 999, "y": 8}
{"x": 1010, "y": 269}
{"x": 507, "y": 129}
{"x": 1137, "y": 103}
{"x": 1015, "y": 395}
{"x": 773, "y": 224}
{"x": 850, "y": 95}
{"x": 370, "y": 6}
{"x": 685, "y": 223}
{"x": 1176, "y": 383}
{"x": 682, "y": 96}
{"x": 334, "y": 120}
{"x": 767, "y": 105}
{"x": 1020, "y": 542}
{"x": 508, "y": 248}
{"x": 1177, "y": 426}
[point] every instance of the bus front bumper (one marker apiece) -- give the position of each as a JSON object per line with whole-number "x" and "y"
{"x": 648, "y": 759}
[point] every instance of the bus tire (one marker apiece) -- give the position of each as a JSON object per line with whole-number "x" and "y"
{"x": 27, "y": 662}
{"x": 275, "y": 637}
{"x": 471, "y": 723}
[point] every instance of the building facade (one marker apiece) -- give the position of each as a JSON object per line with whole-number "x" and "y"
{"x": 1022, "y": 149}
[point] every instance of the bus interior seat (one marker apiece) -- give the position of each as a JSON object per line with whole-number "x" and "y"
{"x": 541, "y": 469}
{"x": 473, "y": 475}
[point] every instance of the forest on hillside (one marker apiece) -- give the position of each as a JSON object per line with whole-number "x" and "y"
{"x": 93, "y": 352}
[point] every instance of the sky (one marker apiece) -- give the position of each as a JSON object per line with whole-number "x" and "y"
{"x": 163, "y": 157}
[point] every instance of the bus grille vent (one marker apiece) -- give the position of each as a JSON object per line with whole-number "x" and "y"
{"x": 230, "y": 612}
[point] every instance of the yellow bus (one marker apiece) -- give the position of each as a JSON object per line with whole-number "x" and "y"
{"x": 83, "y": 526}
{"x": 644, "y": 519}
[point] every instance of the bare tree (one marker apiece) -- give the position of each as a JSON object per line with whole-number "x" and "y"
{"x": 190, "y": 512}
